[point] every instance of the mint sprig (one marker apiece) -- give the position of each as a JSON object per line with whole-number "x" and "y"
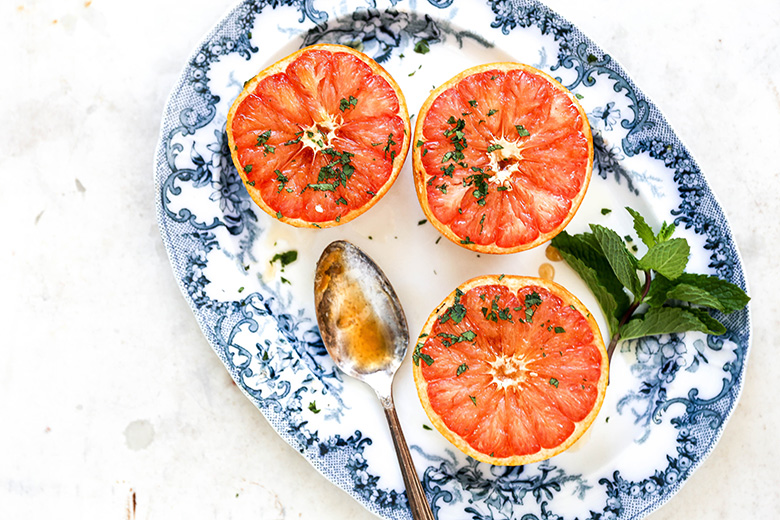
{"x": 650, "y": 295}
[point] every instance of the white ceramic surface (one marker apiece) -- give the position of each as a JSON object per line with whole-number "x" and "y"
{"x": 669, "y": 397}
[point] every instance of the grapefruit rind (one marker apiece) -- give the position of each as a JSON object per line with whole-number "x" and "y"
{"x": 421, "y": 176}
{"x": 514, "y": 283}
{"x": 281, "y": 66}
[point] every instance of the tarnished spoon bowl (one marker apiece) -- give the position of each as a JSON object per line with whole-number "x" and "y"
{"x": 364, "y": 330}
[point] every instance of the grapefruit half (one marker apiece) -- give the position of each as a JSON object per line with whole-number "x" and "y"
{"x": 502, "y": 157}
{"x": 319, "y": 136}
{"x": 512, "y": 370}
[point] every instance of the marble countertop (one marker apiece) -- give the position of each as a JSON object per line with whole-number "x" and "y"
{"x": 114, "y": 404}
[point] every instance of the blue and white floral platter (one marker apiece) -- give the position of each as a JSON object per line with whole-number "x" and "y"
{"x": 669, "y": 397}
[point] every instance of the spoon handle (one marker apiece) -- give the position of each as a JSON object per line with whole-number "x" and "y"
{"x": 418, "y": 503}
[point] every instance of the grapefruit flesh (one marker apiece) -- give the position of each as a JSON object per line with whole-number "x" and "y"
{"x": 320, "y": 136}
{"x": 512, "y": 370}
{"x": 502, "y": 158}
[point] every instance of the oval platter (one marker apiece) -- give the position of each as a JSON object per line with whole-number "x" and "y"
{"x": 669, "y": 397}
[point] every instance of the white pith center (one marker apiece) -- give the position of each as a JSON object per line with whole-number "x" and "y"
{"x": 509, "y": 150}
{"x": 320, "y": 135}
{"x": 510, "y": 371}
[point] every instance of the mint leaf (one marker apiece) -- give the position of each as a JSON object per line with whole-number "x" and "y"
{"x": 605, "y": 299}
{"x": 714, "y": 326}
{"x": 619, "y": 258}
{"x": 667, "y": 258}
{"x": 659, "y": 288}
{"x": 583, "y": 254}
{"x": 700, "y": 289}
{"x": 642, "y": 228}
{"x": 666, "y": 232}
{"x": 731, "y": 297}
{"x": 692, "y": 294}
{"x": 668, "y": 320}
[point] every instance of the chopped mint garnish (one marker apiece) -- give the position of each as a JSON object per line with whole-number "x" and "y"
{"x": 521, "y": 131}
{"x": 345, "y": 104}
{"x": 451, "y": 339}
{"x": 263, "y": 138}
{"x": 421, "y": 47}
{"x": 285, "y": 258}
{"x": 456, "y": 312}
{"x": 417, "y": 355}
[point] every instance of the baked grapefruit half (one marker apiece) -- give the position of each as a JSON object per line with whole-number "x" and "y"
{"x": 512, "y": 370}
{"x": 502, "y": 157}
{"x": 319, "y": 136}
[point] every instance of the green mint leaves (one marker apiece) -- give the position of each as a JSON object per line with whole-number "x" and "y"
{"x": 671, "y": 300}
{"x": 583, "y": 254}
{"x": 667, "y": 258}
{"x": 622, "y": 262}
{"x": 698, "y": 289}
{"x": 643, "y": 230}
{"x": 667, "y": 320}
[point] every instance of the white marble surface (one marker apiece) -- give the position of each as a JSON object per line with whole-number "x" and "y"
{"x": 114, "y": 405}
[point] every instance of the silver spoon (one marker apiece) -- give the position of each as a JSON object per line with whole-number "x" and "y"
{"x": 364, "y": 330}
